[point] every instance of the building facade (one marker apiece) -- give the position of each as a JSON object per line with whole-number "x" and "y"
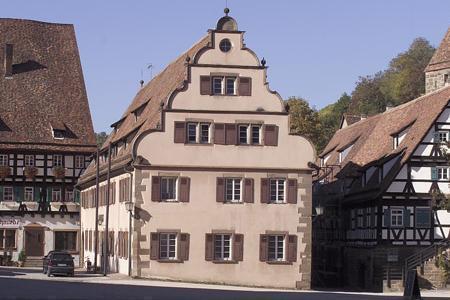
{"x": 46, "y": 138}
{"x": 204, "y": 153}
{"x": 380, "y": 181}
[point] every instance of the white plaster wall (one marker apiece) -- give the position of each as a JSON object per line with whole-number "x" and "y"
{"x": 444, "y": 218}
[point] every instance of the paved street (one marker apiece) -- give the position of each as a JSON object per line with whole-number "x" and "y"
{"x": 19, "y": 283}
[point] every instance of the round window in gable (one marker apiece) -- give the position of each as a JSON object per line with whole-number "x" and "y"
{"x": 225, "y": 45}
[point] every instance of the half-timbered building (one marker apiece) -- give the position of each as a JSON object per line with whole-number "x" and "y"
{"x": 46, "y": 138}
{"x": 204, "y": 154}
{"x": 379, "y": 181}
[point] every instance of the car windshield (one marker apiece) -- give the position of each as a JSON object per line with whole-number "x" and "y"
{"x": 61, "y": 256}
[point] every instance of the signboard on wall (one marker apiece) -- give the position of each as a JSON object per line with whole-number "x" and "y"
{"x": 10, "y": 223}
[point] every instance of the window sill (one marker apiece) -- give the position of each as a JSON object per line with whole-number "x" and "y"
{"x": 226, "y": 262}
{"x": 198, "y": 144}
{"x": 169, "y": 201}
{"x": 279, "y": 203}
{"x": 170, "y": 261}
{"x": 233, "y": 202}
{"x": 275, "y": 262}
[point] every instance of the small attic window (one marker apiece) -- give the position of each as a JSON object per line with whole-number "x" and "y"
{"x": 59, "y": 130}
{"x": 343, "y": 153}
{"x": 225, "y": 45}
{"x": 138, "y": 111}
{"x": 399, "y": 137}
{"x": 59, "y": 134}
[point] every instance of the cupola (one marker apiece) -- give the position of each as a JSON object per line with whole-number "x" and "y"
{"x": 227, "y": 23}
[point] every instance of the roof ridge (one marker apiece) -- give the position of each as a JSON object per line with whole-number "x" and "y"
{"x": 34, "y": 21}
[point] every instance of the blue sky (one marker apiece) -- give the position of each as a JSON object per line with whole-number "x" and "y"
{"x": 314, "y": 49}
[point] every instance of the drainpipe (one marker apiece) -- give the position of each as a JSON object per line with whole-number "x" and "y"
{"x": 130, "y": 235}
{"x": 108, "y": 185}
{"x": 97, "y": 183}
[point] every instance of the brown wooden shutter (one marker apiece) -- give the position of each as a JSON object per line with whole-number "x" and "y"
{"x": 180, "y": 132}
{"x": 183, "y": 247}
{"x": 205, "y": 85}
{"x": 90, "y": 240}
{"x": 209, "y": 250}
{"x": 220, "y": 190}
{"x": 292, "y": 248}
{"x": 156, "y": 188}
{"x": 292, "y": 191}
{"x": 219, "y": 133}
{"x": 238, "y": 247}
{"x": 126, "y": 244}
{"x": 185, "y": 183}
{"x": 230, "y": 134}
{"x": 270, "y": 135}
{"x": 245, "y": 86}
{"x": 248, "y": 190}
{"x": 154, "y": 246}
{"x": 263, "y": 247}
{"x": 265, "y": 190}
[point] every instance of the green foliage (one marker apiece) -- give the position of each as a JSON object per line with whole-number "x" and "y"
{"x": 443, "y": 263}
{"x": 330, "y": 118}
{"x": 22, "y": 256}
{"x": 101, "y": 138}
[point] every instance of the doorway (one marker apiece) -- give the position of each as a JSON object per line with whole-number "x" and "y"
{"x": 34, "y": 241}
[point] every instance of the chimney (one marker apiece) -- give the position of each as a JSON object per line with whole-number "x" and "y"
{"x": 8, "y": 60}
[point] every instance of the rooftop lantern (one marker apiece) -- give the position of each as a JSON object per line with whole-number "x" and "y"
{"x": 227, "y": 23}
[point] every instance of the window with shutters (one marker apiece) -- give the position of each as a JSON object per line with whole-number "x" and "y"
{"x": 192, "y": 132}
{"x": 168, "y": 246}
{"x": 249, "y": 134}
{"x": 233, "y": 189}
{"x": 8, "y": 194}
{"x": 230, "y": 85}
{"x": 29, "y": 160}
{"x": 256, "y": 134}
{"x": 442, "y": 173}
{"x": 217, "y": 85}
{"x": 169, "y": 188}
{"x": 243, "y": 134}
{"x": 29, "y": 194}
{"x": 4, "y": 162}
{"x": 56, "y": 195}
{"x": 277, "y": 190}
{"x": 397, "y": 217}
{"x": 423, "y": 217}
{"x": 57, "y": 160}
{"x": 222, "y": 247}
{"x": 198, "y": 133}
{"x": 276, "y": 248}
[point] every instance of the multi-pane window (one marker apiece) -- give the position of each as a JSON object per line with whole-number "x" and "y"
{"x": 169, "y": 188}
{"x": 66, "y": 240}
{"x": 233, "y": 189}
{"x": 423, "y": 217}
{"x": 222, "y": 247}
{"x": 4, "y": 160}
{"x": 443, "y": 136}
{"x": 79, "y": 162}
{"x": 230, "y": 86}
{"x": 69, "y": 196}
{"x": 442, "y": 173}
{"x": 276, "y": 249}
{"x": 217, "y": 85}
{"x": 56, "y": 195}
{"x": 192, "y": 132}
{"x": 8, "y": 193}
{"x": 359, "y": 217}
{"x": 167, "y": 245}
{"x": 29, "y": 160}
{"x": 57, "y": 160}
{"x": 198, "y": 133}
{"x": 277, "y": 190}
{"x": 397, "y": 217}
{"x": 256, "y": 134}
{"x": 29, "y": 193}
{"x": 7, "y": 239}
{"x": 243, "y": 134}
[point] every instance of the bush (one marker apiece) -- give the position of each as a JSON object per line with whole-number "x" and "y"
{"x": 22, "y": 255}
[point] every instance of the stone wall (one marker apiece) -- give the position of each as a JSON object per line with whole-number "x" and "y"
{"x": 436, "y": 80}
{"x": 433, "y": 276}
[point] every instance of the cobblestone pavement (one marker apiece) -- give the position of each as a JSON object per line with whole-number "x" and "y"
{"x": 20, "y": 283}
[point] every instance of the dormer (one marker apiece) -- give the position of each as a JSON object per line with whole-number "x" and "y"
{"x": 59, "y": 130}
{"x": 399, "y": 136}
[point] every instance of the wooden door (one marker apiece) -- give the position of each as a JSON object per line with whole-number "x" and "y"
{"x": 34, "y": 242}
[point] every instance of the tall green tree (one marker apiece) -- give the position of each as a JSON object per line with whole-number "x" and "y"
{"x": 101, "y": 138}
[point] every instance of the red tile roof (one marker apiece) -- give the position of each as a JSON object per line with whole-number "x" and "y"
{"x": 441, "y": 58}
{"x": 46, "y": 89}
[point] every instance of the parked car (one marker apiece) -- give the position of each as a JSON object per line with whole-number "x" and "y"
{"x": 58, "y": 262}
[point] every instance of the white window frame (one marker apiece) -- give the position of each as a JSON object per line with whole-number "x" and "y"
{"x": 189, "y": 126}
{"x": 397, "y": 217}
{"x": 443, "y": 136}
{"x": 226, "y": 86}
{"x": 57, "y": 160}
{"x": 11, "y": 194}
{"x": 277, "y": 239}
{"x": 172, "y": 241}
{"x": 225, "y": 240}
{"x": 259, "y": 127}
{"x": 217, "y": 79}
{"x": 201, "y": 132}
{"x": 69, "y": 197}
{"x": 245, "y": 127}
{"x": 167, "y": 178}
{"x": 236, "y": 184}
{"x": 4, "y": 160}
{"x": 28, "y": 160}
{"x": 56, "y": 195}
{"x": 28, "y": 190}
{"x": 395, "y": 142}
{"x": 277, "y": 190}
{"x": 79, "y": 162}
{"x": 442, "y": 173}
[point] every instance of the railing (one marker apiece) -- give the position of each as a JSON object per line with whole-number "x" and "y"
{"x": 419, "y": 258}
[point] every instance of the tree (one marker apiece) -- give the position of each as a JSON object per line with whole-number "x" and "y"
{"x": 330, "y": 118}
{"x": 368, "y": 98}
{"x": 304, "y": 120}
{"x": 101, "y": 138}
